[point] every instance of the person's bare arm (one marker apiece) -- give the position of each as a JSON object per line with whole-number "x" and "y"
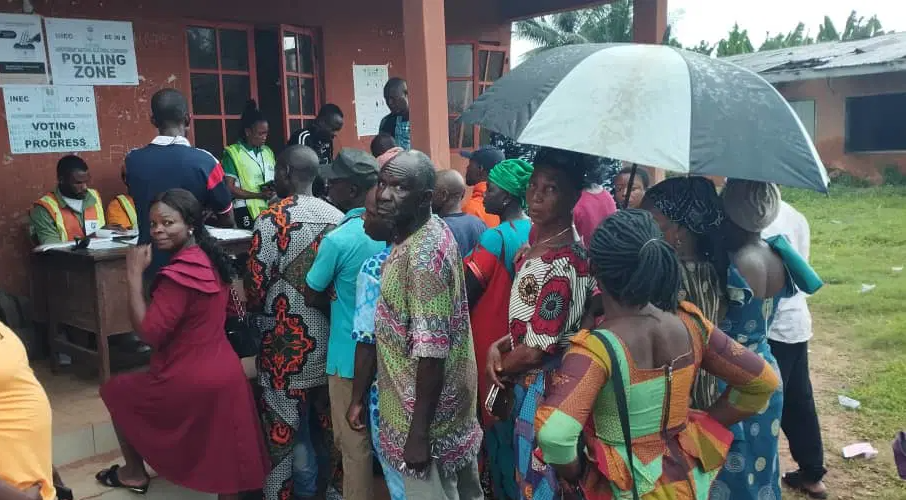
{"x": 750, "y": 379}
{"x": 224, "y": 219}
{"x": 242, "y": 194}
{"x": 428, "y": 386}
{"x": 365, "y": 370}
{"x": 474, "y": 288}
{"x": 137, "y": 260}
{"x": 522, "y": 359}
{"x": 317, "y": 300}
{"x": 8, "y": 492}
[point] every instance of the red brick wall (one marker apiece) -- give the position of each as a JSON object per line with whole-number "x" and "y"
{"x": 353, "y": 32}
{"x": 830, "y": 118}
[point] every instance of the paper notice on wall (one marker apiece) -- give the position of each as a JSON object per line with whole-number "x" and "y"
{"x": 22, "y": 57}
{"x": 51, "y": 119}
{"x": 368, "y": 84}
{"x": 90, "y": 52}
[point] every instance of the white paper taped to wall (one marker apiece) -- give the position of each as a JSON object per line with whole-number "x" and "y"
{"x": 368, "y": 84}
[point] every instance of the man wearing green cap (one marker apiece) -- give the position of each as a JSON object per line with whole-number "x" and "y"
{"x": 338, "y": 262}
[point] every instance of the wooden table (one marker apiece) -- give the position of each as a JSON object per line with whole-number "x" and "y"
{"x": 86, "y": 289}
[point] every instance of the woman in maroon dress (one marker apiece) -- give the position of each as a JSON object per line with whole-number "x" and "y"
{"x": 192, "y": 415}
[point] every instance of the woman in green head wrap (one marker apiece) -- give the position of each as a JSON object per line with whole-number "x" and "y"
{"x": 489, "y": 279}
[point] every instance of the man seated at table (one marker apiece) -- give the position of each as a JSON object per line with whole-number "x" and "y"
{"x": 72, "y": 210}
{"x": 121, "y": 211}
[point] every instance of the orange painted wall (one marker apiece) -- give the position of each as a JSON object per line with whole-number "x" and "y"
{"x": 830, "y": 118}
{"x": 353, "y": 32}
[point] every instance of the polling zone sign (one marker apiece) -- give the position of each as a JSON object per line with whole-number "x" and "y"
{"x": 51, "y": 119}
{"x": 89, "y": 52}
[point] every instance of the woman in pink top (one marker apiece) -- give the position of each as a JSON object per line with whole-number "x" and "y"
{"x": 595, "y": 204}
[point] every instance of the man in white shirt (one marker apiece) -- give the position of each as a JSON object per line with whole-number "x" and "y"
{"x": 788, "y": 337}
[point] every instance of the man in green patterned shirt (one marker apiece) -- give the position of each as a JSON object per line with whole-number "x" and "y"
{"x": 426, "y": 369}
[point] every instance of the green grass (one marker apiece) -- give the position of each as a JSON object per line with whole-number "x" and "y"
{"x": 858, "y": 237}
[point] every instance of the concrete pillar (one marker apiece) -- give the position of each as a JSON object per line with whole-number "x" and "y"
{"x": 426, "y": 74}
{"x": 649, "y": 22}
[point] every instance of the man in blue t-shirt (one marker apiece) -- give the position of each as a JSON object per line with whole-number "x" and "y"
{"x": 170, "y": 162}
{"x": 449, "y": 190}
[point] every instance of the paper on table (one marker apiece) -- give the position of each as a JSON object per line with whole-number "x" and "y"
{"x": 95, "y": 244}
{"x": 110, "y": 233}
{"x": 105, "y": 244}
{"x": 53, "y": 246}
{"x": 225, "y": 234}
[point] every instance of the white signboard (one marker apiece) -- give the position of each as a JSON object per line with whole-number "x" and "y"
{"x": 22, "y": 58}
{"x": 368, "y": 84}
{"x": 88, "y": 52}
{"x": 51, "y": 119}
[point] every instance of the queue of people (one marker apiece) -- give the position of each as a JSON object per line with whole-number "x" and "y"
{"x": 529, "y": 342}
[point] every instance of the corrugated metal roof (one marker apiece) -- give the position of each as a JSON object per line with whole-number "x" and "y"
{"x": 879, "y": 50}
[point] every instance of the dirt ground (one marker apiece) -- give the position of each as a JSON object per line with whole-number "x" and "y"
{"x": 858, "y": 478}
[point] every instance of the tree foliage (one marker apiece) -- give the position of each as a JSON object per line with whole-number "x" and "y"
{"x": 736, "y": 42}
{"x": 858, "y": 28}
{"x": 827, "y": 32}
{"x": 612, "y": 23}
{"x": 794, "y": 38}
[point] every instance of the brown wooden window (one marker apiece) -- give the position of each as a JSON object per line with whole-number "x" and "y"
{"x": 471, "y": 69}
{"x": 222, "y": 77}
{"x": 301, "y": 89}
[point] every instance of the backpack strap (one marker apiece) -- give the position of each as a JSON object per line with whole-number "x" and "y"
{"x": 616, "y": 374}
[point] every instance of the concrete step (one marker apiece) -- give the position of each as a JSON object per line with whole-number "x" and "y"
{"x": 79, "y": 476}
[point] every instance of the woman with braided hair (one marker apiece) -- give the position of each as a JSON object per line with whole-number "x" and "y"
{"x": 689, "y": 212}
{"x": 658, "y": 346}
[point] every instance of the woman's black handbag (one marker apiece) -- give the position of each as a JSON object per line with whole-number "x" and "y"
{"x": 241, "y": 330}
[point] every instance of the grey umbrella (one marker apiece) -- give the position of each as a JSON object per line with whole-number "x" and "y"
{"x": 653, "y": 105}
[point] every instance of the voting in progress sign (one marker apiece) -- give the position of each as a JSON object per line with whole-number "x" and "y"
{"x": 51, "y": 119}
{"x": 89, "y": 52}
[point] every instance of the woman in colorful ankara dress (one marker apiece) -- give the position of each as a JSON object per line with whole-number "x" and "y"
{"x": 548, "y": 300}
{"x": 489, "y": 278}
{"x": 658, "y": 347}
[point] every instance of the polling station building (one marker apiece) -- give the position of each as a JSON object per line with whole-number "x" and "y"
{"x": 106, "y": 58}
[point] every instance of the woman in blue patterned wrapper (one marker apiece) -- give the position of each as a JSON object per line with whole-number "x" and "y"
{"x": 757, "y": 278}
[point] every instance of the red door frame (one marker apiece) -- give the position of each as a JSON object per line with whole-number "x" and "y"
{"x": 252, "y": 72}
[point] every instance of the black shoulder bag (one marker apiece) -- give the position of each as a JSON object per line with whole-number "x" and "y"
{"x": 622, "y": 408}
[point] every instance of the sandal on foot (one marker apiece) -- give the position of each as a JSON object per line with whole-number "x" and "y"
{"x": 794, "y": 481}
{"x": 111, "y": 478}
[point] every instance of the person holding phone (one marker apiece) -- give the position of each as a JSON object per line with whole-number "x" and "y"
{"x": 249, "y": 168}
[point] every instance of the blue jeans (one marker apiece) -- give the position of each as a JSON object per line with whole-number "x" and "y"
{"x": 311, "y": 455}
{"x": 392, "y": 477}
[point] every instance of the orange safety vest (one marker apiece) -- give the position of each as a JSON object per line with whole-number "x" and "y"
{"x": 128, "y": 207}
{"x": 65, "y": 218}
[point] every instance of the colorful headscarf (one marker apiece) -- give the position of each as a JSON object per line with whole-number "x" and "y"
{"x": 513, "y": 177}
{"x": 388, "y": 155}
{"x": 691, "y": 202}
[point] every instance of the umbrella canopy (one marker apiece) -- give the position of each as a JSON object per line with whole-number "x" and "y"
{"x": 653, "y": 105}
